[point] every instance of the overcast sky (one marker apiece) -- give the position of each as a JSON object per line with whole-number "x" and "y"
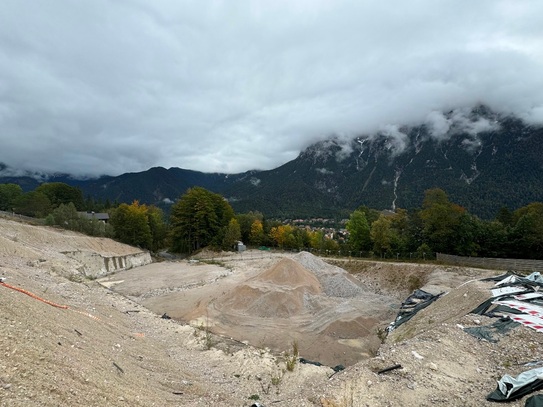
{"x": 106, "y": 87}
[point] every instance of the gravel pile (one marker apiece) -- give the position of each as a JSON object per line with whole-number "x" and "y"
{"x": 335, "y": 281}
{"x": 279, "y": 292}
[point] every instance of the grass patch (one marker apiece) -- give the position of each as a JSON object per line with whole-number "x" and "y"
{"x": 292, "y": 358}
{"x": 382, "y": 334}
{"x": 208, "y": 336}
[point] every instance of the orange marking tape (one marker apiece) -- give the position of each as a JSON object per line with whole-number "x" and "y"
{"x": 22, "y": 290}
{"x": 87, "y": 315}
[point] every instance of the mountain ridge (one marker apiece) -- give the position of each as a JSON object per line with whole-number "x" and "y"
{"x": 483, "y": 160}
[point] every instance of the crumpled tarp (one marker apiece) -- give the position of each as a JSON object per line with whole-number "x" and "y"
{"x": 534, "y": 401}
{"x": 512, "y": 388}
{"x": 511, "y": 276}
{"x": 511, "y": 286}
{"x": 533, "y": 280}
{"x": 499, "y": 310}
{"x": 488, "y": 332}
{"x": 527, "y": 307}
{"x": 418, "y": 300}
{"x": 535, "y": 277}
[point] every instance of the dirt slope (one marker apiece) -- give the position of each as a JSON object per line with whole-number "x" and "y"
{"x": 268, "y": 302}
{"x": 106, "y": 349}
{"x": 441, "y": 364}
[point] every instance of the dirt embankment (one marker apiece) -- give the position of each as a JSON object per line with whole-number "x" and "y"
{"x": 100, "y": 348}
{"x": 268, "y": 303}
{"x": 106, "y": 348}
{"x": 401, "y": 279}
{"x": 68, "y": 253}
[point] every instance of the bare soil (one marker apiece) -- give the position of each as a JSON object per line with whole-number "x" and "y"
{"x": 269, "y": 301}
{"x": 231, "y": 323}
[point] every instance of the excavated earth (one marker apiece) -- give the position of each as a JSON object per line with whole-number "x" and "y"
{"x": 269, "y": 301}
{"x": 77, "y": 340}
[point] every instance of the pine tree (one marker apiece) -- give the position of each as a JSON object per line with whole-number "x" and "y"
{"x": 200, "y": 218}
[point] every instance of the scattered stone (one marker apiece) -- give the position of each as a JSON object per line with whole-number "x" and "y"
{"x": 412, "y": 385}
{"x": 416, "y": 355}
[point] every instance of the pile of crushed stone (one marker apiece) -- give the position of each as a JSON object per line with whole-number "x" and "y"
{"x": 288, "y": 288}
{"x": 335, "y": 281}
{"x": 332, "y": 316}
{"x": 281, "y": 291}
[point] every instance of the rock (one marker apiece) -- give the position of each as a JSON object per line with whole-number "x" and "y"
{"x": 416, "y": 355}
{"x": 412, "y": 385}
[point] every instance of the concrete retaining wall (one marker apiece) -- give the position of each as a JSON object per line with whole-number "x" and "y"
{"x": 95, "y": 265}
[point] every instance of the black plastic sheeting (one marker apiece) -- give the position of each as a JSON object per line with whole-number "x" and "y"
{"x": 530, "y": 283}
{"x": 483, "y": 308}
{"x": 336, "y": 369}
{"x": 418, "y": 300}
{"x": 534, "y": 401}
{"x": 498, "y": 396}
{"x": 488, "y": 332}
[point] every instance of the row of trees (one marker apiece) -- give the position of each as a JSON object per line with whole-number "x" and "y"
{"x": 134, "y": 224}
{"x": 443, "y": 226}
{"x": 201, "y": 219}
{"x": 40, "y": 202}
{"x": 62, "y": 205}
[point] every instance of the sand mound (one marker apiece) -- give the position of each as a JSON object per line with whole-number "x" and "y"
{"x": 289, "y": 273}
{"x": 287, "y": 289}
{"x": 335, "y": 281}
{"x": 271, "y": 304}
{"x": 279, "y": 292}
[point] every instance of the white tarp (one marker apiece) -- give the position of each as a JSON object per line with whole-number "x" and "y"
{"x": 529, "y": 321}
{"x": 508, "y": 384}
{"x": 535, "y": 276}
{"x": 526, "y": 307}
{"x": 496, "y": 292}
{"x": 528, "y": 296}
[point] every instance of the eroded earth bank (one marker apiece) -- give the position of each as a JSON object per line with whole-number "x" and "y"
{"x": 97, "y": 337}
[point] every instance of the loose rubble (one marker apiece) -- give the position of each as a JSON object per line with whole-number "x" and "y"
{"x": 106, "y": 349}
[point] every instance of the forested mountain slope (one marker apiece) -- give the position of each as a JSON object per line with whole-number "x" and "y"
{"x": 483, "y": 161}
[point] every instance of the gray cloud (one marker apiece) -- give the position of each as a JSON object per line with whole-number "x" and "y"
{"x": 458, "y": 121}
{"x": 105, "y": 87}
